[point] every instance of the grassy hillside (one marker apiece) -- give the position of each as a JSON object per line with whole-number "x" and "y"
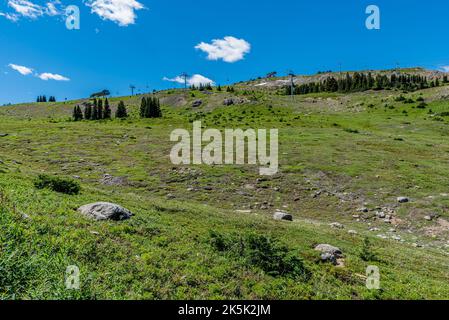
{"x": 206, "y": 231}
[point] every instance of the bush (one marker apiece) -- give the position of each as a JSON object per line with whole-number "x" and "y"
{"x": 367, "y": 253}
{"x": 262, "y": 252}
{"x": 57, "y": 184}
{"x": 422, "y": 105}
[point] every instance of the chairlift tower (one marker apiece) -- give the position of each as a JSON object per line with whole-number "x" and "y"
{"x": 184, "y": 75}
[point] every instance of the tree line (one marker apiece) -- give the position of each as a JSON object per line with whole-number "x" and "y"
{"x": 362, "y": 82}
{"x": 101, "y": 110}
{"x": 150, "y": 107}
{"x": 97, "y": 110}
{"x": 44, "y": 99}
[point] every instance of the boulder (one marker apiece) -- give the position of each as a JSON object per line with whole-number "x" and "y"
{"x": 403, "y": 199}
{"x": 105, "y": 211}
{"x": 327, "y": 248}
{"x": 329, "y": 253}
{"x": 228, "y": 102}
{"x": 280, "y": 215}
{"x": 197, "y": 103}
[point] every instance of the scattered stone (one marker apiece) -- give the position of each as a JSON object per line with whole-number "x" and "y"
{"x": 374, "y": 229}
{"x": 170, "y": 196}
{"x": 403, "y": 199}
{"x": 4, "y": 135}
{"x": 381, "y": 214}
{"x": 353, "y": 232}
{"x": 428, "y": 218}
{"x": 417, "y": 245}
{"x": 382, "y": 236}
{"x": 109, "y": 180}
{"x": 228, "y": 102}
{"x": 337, "y": 225}
{"x": 280, "y": 215}
{"x": 243, "y": 211}
{"x": 364, "y": 210}
{"x": 197, "y": 103}
{"x": 397, "y": 238}
{"x": 105, "y": 211}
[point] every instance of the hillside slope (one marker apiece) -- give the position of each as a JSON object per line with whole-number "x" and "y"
{"x": 199, "y": 231}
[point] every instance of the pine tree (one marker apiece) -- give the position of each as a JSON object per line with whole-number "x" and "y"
{"x": 100, "y": 109}
{"x": 121, "y": 111}
{"x": 94, "y": 112}
{"x": 157, "y": 108}
{"x": 143, "y": 108}
{"x": 77, "y": 113}
{"x": 88, "y": 112}
{"x": 44, "y": 98}
{"x": 107, "y": 110}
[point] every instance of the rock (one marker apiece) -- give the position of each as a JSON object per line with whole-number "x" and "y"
{"x": 228, "y": 102}
{"x": 397, "y": 238}
{"x": 380, "y": 215}
{"x": 197, "y": 103}
{"x": 327, "y": 248}
{"x": 403, "y": 199}
{"x": 337, "y": 225}
{"x": 280, "y": 215}
{"x": 109, "y": 180}
{"x": 374, "y": 229}
{"x": 330, "y": 254}
{"x": 327, "y": 257}
{"x": 353, "y": 232}
{"x": 428, "y": 218}
{"x": 3, "y": 135}
{"x": 105, "y": 211}
{"x": 364, "y": 210}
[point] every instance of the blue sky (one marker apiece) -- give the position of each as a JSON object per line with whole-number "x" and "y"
{"x": 143, "y": 42}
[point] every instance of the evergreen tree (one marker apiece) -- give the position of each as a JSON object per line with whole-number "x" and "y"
{"x": 143, "y": 108}
{"x": 88, "y": 112}
{"x": 77, "y": 113}
{"x": 107, "y": 110}
{"x": 100, "y": 109}
{"x": 94, "y": 112}
{"x": 44, "y": 99}
{"x": 121, "y": 111}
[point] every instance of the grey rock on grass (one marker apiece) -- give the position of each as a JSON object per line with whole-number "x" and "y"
{"x": 280, "y": 215}
{"x": 105, "y": 211}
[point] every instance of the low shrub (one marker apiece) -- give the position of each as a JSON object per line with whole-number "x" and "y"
{"x": 57, "y": 184}
{"x": 262, "y": 252}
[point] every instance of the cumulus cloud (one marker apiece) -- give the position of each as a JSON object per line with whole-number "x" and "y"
{"x": 21, "y": 69}
{"x": 31, "y": 10}
{"x": 229, "y": 49}
{"x": 195, "y": 80}
{"x": 121, "y": 12}
{"x": 26, "y": 8}
{"x": 51, "y": 76}
{"x": 444, "y": 68}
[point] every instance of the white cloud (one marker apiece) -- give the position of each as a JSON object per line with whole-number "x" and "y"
{"x": 21, "y": 69}
{"x": 26, "y": 8}
{"x": 229, "y": 49}
{"x": 444, "y": 68}
{"x": 195, "y": 80}
{"x": 51, "y": 76}
{"x": 121, "y": 12}
{"x": 10, "y": 16}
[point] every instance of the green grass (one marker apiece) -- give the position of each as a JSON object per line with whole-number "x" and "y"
{"x": 350, "y": 154}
